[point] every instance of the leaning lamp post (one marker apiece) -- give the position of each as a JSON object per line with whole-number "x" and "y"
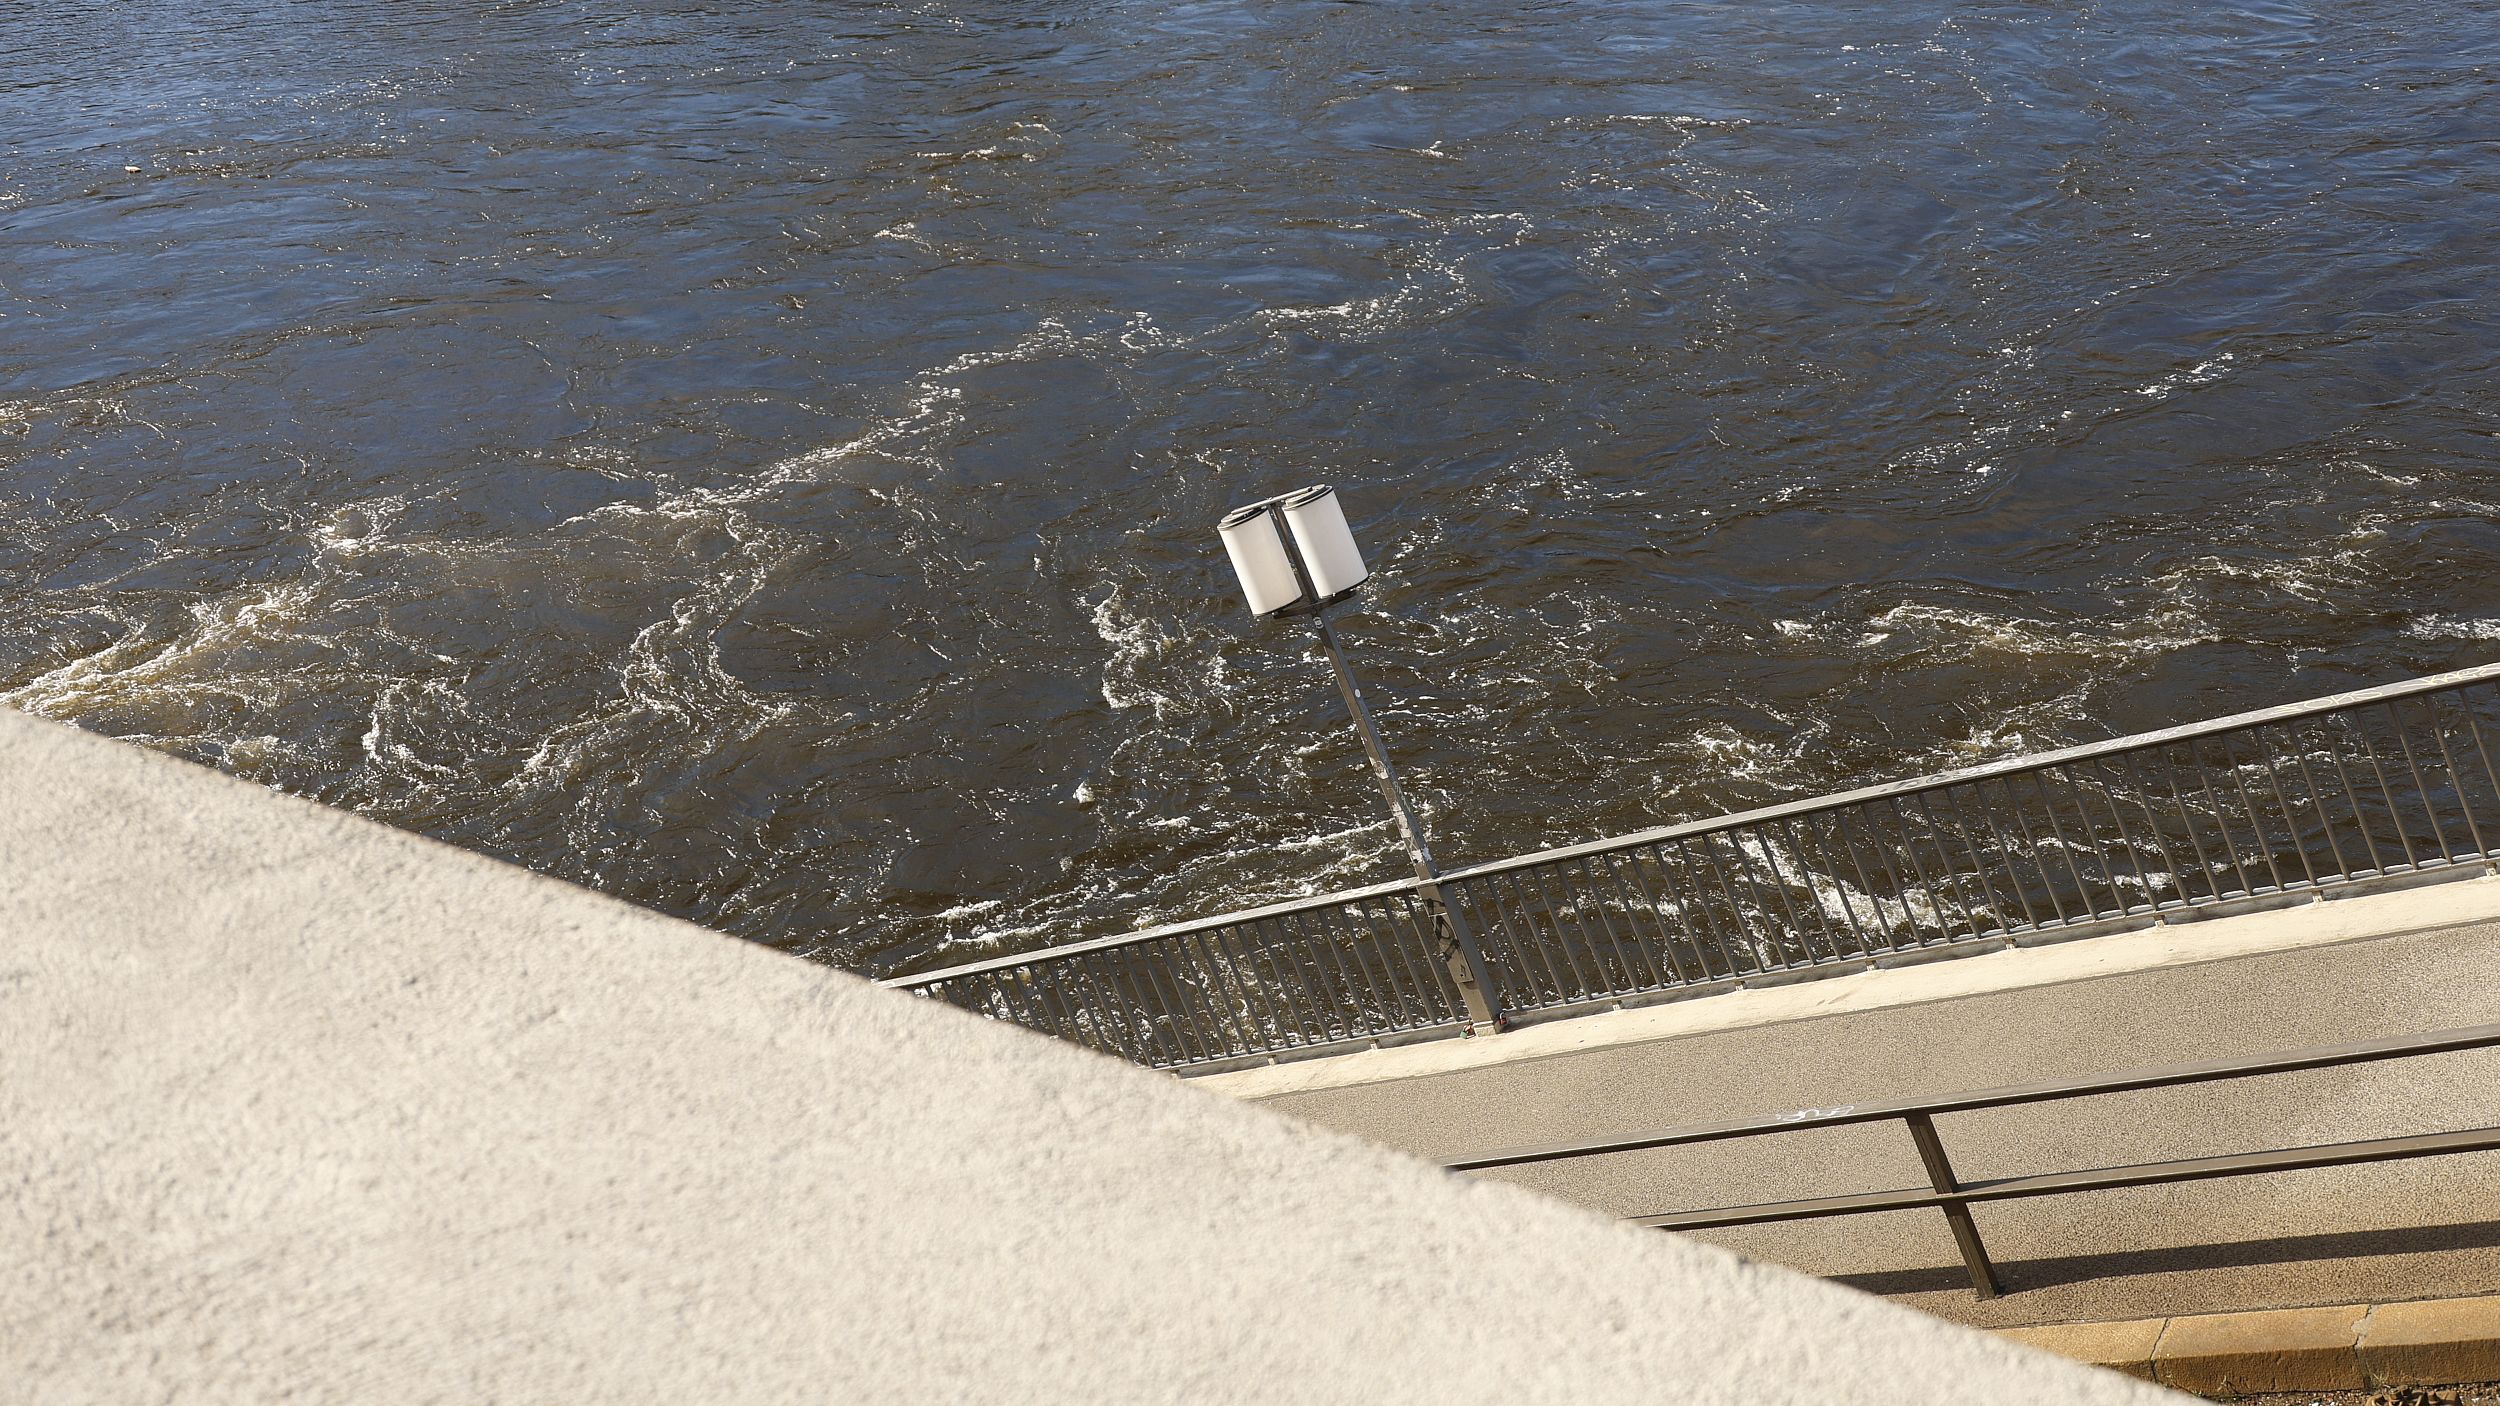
{"x": 1296, "y": 556}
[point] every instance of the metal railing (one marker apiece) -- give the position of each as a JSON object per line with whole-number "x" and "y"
{"x": 1955, "y": 1197}
{"x": 2298, "y": 799}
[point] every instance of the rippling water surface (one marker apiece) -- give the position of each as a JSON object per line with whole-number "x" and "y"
{"x": 761, "y": 460}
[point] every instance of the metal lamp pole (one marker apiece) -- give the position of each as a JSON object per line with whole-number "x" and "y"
{"x": 1305, "y": 533}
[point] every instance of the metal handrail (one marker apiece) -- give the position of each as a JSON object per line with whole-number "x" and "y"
{"x": 1954, "y": 1197}
{"x": 1130, "y": 939}
{"x": 2470, "y": 1037}
{"x": 2301, "y": 798}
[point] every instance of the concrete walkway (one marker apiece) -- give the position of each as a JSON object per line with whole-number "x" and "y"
{"x": 2350, "y": 968}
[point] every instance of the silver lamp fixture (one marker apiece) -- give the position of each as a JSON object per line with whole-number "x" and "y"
{"x": 1295, "y": 555}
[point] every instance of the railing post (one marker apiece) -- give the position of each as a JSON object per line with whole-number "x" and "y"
{"x": 1465, "y": 959}
{"x": 1983, "y": 1275}
{"x": 1456, "y": 942}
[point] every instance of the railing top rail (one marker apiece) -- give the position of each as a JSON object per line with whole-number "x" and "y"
{"x": 1128, "y": 939}
{"x": 2038, "y": 1091}
{"x": 2012, "y": 766}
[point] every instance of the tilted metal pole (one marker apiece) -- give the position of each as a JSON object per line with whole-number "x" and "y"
{"x": 1458, "y": 946}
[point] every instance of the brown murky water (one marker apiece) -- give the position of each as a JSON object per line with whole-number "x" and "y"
{"x": 762, "y": 461}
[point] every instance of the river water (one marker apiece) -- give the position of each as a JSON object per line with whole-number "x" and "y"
{"x": 761, "y": 460}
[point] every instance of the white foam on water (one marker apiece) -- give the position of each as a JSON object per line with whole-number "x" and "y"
{"x": 2437, "y": 626}
{"x": 671, "y": 681}
{"x": 2203, "y": 372}
{"x": 145, "y": 665}
{"x": 1141, "y": 644}
{"x": 1434, "y": 287}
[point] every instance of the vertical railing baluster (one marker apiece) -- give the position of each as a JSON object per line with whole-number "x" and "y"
{"x": 1571, "y": 979}
{"x": 2187, "y": 822}
{"x": 1111, "y": 1014}
{"x": 1750, "y": 865}
{"x": 1337, "y": 981}
{"x": 1173, "y": 991}
{"x": 1294, "y": 986}
{"x": 1339, "y": 961}
{"x": 1084, "y": 1026}
{"x": 1698, "y": 905}
{"x": 1949, "y": 882}
{"x": 1881, "y": 939}
{"x": 2084, "y": 781}
{"x": 1763, "y": 932}
{"x": 1588, "y": 897}
{"x": 1812, "y": 829}
{"x": 2465, "y": 705}
{"x": 2004, "y": 852}
{"x": 1519, "y": 936}
{"x": 1888, "y": 861}
{"x": 1749, "y": 956}
{"x": 1797, "y": 832}
{"x": 2387, "y": 796}
{"x": 1232, "y": 1009}
{"x": 2152, "y": 824}
{"x": 2221, "y": 814}
{"x": 1978, "y": 867}
{"x": 1138, "y": 996}
{"x": 1339, "y": 987}
{"x": 2083, "y": 890}
{"x": 1401, "y": 1006}
{"x": 2352, "y": 797}
{"x": 2031, "y": 842}
{"x": 1647, "y": 974}
{"x": 1041, "y": 1002}
{"x": 1537, "y": 943}
{"x": 1596, "y": 925}
{"x": 2291, "y": 819}
{"x": 2317, "y": 802}
{"x": 2456, "y": 779}
{"x": 1927, "y": 889}
{"x": 1051, "y": 993}
{"x": 2421, "y": 791}
{"x": 1420, "y": 994}
{"x": 2248, "y": 808}
{"x": 1670, "y": 935}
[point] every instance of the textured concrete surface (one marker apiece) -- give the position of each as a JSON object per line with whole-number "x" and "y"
{"x": 2118, "y": 1347}
{"x": 2240, "y": 1354}
{"x": 2359, "y": 967}
{"x": 298, "y": 1107}
{"x": 2432, "y": 1343}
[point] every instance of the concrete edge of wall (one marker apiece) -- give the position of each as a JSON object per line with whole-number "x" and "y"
{"x": 2336, "y": 1347}
{"x": 303, "y": 1106}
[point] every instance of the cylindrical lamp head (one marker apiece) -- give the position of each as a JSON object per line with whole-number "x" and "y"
{"x": 1326, "y": 543}
{"x": 1258, "y": 553}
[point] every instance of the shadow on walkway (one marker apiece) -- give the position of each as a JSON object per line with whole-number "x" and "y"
{"x": 2016, "y": 1276}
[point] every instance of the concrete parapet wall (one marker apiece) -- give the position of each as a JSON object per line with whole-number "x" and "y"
{"x": 295, "y": 1106}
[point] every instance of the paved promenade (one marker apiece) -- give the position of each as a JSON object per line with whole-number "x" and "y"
{"x": 2349, "y": 968}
